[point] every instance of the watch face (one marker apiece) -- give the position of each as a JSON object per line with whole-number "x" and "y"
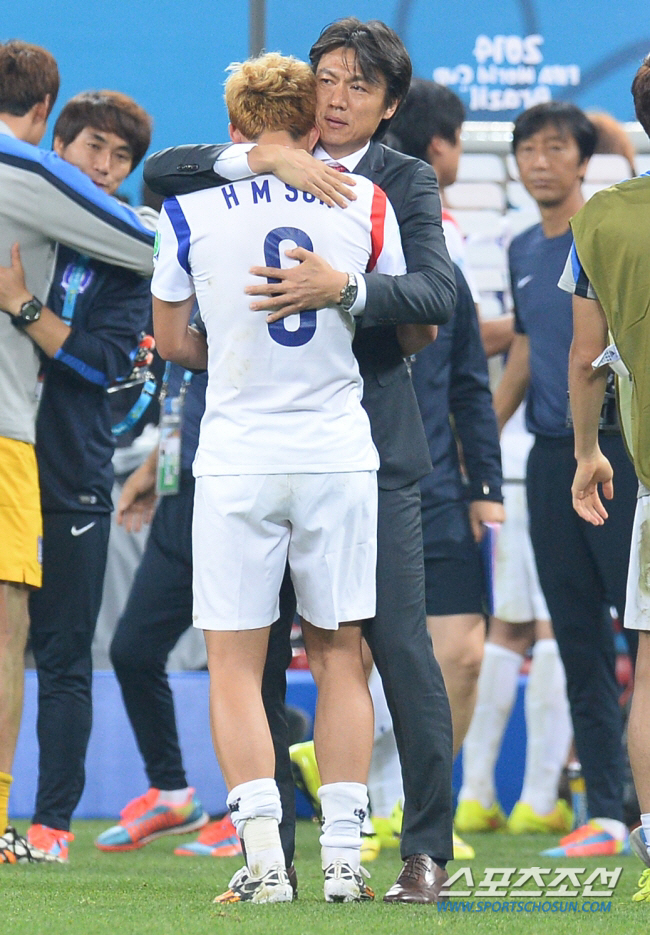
{"x": 31, "y": 311}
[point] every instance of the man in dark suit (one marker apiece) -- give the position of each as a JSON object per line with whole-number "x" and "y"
{"x": 363, "y": 72}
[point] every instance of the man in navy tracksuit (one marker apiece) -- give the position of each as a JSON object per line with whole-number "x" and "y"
{"x": 101, "y": 310}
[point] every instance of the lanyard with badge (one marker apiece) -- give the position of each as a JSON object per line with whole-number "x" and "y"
{"x": 168, "y": 471}
{"x": 75, "y": 281}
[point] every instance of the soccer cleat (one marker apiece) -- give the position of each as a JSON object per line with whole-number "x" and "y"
{"x": 590, "y": 840}
{"x": 345, "y": 885}
{"x": 385, "y": 829}
{"x": 643, "y": 892}
{"x": 472, "y": 816}
{"x": 51, "y": 841}
{"x": 217, "y": 839}
{"x": 306, "y": 774}
{"x": 639, "y": 846}
{"x": 146, "y": 818}
{"x": 462, "y": 850}
{"x": 370, "y": 847}
{"x": 524, "y": 820}
{"x": 15, "y": 849}
{"x": 274, "y": 887}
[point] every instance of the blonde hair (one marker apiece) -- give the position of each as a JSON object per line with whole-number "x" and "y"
{"x": 272, "y": 92}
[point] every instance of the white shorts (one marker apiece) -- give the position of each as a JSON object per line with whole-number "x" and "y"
{"x": 518, "y": 595}
{"x": 246, "y": 527}
{"x": 637, "y": 599}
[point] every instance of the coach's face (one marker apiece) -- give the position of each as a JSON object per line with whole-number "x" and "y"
{"x": 349, "y": 108}
{"x": 103, "y": 156}
{"x": 550, "y": 165}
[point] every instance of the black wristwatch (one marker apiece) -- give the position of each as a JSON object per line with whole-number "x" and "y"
{"x": 349, "y": 292}
{"x": 30, "y": 311}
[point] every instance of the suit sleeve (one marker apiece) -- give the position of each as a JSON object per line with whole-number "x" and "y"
{"x": 180, "y": 170}
{"x": 470, "y": 401}
{"x": 426, "y": 294}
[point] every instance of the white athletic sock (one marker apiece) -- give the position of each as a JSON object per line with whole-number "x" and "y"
{"x": 173, "y": 796}
{"x": 385, "y": 787}
{"x": 645, "y": 823}
{"x": 548, "y": 727}
{"x": 385, "y": 775}
{"x": 496, "y": 692}
{"x": 383, "y": 720}
{"x": 344, "y": 807}
{"x": 256, "y": 813}
{"x": 616, "y": 828}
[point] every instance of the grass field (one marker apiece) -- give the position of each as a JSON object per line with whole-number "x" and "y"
{"x": 151, "y": 892}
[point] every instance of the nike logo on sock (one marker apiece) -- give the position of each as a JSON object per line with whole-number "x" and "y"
{"x": 523, "y": 281}
{"x": 80, "y": 532}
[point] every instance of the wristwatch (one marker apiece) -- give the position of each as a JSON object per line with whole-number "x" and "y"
{"x": 30, "y": 311}
{"x": 348, "y": 295}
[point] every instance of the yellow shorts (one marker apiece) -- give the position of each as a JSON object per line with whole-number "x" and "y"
{"x": 21, "y": 524}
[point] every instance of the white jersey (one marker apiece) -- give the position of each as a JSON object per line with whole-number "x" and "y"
{"x": 455, "y": 243}
{"x": 281, "y": 398}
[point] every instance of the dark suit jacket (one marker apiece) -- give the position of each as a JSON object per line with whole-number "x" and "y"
{"x": 426, "y": 295}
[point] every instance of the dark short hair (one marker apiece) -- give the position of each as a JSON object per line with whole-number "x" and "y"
{"x": 28, "y": 73}
{"x": 428, "y": 110}
{"x": 378, "y": 50}
{"x": 564, "y": 116}
{"x": 641, "y": 94}
{"x": 110, "y": 111}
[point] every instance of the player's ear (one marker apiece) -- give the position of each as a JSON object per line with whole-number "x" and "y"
{"x": 312, "y": 139}
{"x": 236, "y": 135}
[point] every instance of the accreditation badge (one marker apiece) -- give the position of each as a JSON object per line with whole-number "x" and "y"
{"x": 168, "y": 473}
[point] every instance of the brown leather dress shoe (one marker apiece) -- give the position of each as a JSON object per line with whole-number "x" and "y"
{"x": 420, "y": 881}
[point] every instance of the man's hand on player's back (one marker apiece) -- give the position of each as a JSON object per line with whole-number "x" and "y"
{"x": 311, "y": 284}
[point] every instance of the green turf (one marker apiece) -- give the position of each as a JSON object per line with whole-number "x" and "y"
{"x": 151, "y": 892}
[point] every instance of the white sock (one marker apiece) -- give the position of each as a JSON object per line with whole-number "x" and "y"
{"x": 344, "y": 807}
{"x": 616, "y": 828}
{"x": 174, "y": 796}
{"x": 383, "y": 720}
{"x": 385, "y": 787}
{"x": 548, "y": 727}
{"x": 497, "y": 689}
{"x": 645, "y": 823}
{"x": 256, "y": 813}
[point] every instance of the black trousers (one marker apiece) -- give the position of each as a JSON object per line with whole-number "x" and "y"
{"x": 63, "y": 618}
{"x": 157, "y": 613}
{"x": 411, "y": 677}
{"x": 582, "y": 571}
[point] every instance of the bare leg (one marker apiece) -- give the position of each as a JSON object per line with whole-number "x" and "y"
{"x": 517, "y": 637}
{"x": 458, "y": 646}
{"x": 240, "y": 730}
{"x": 343, "y": 726}
{"x": 637, "y": 731}
{"x": 14, "y": 627}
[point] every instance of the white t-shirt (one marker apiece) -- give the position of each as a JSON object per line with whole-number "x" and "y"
{"x": 455, "y": 243}
{"x": 286, "y": 397}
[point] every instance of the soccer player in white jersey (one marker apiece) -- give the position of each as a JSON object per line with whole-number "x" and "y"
{"x": 285, "y": 469}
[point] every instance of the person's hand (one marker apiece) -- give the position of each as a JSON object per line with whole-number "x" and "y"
{"x": 137, "y": 501}
{"x": 311, "y": 284}
{"x": 299, "y": 169}
{"x": 591, "y": 472}
{"x": 482, "y": 512}
{"x": 13, "y": 291}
